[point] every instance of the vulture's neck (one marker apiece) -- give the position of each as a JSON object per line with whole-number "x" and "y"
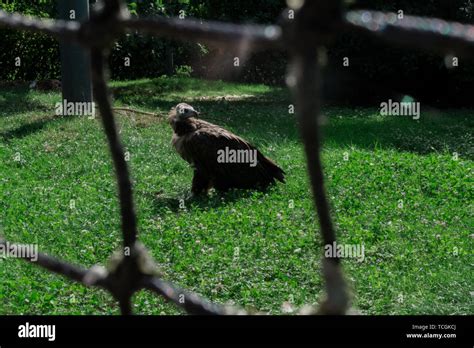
{"x": 183, "y": 127}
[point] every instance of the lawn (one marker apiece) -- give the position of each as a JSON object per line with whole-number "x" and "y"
{"x": 394, "y": 183}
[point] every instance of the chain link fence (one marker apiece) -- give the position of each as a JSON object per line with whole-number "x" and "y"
{"x": 302, "y": 30}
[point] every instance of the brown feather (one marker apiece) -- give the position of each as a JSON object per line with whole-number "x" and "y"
{"x": 198, "y": 143}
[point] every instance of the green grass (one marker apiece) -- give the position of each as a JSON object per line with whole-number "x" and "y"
{"x": 418, "y": 258}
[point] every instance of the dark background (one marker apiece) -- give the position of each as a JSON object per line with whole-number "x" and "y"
{"x": 376, "y": 72}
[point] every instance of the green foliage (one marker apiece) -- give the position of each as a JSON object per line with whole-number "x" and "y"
{"x": 39, "y": 53}
{"x": 184, "y": 71}
{"x": 249, "y": 247}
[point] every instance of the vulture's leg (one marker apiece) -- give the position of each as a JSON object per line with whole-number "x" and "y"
{"x": 201, "y": 183}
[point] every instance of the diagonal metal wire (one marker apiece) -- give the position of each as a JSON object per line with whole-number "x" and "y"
{"x": 190, "y": 302}
{"x": 315, "y": 25}
{"x": 430, "y": 34}
{"x": 67, "y": 30}
{"x": 224, "y": 34}
{"x": 129, "y": 223}
{"x": 68, "y": 270}
{"x": 304, "y": 79}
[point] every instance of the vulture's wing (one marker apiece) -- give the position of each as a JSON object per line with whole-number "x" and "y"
{"x": 202, "y": 148}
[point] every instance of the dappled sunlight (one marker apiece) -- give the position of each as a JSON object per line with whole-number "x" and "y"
{"x": 194, "y": 240}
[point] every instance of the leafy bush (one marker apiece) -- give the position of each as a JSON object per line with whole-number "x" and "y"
{"x": 184, "y": 71}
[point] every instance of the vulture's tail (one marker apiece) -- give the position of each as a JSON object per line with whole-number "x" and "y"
{"x": 271, "y": 169}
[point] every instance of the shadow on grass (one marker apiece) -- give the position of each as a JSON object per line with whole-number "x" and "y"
{"x": 163, "y": 93}
{"x": 261, "y": 115}
{"x": 449, "y": 131}
{"x": 29, "y": 128}
{"x": 435, "y": 132}
{"x": 183, "y": 201}
{"x": 16, "y": 99}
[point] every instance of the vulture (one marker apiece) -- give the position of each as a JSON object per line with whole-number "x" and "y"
{"x": 220, "y": 159}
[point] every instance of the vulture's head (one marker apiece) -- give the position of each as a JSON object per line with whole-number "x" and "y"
{"x": 183, "y": 111}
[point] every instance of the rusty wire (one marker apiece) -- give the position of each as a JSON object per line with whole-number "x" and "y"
{"x": 315, "y": 24}
{"x": 430, "y": 34}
